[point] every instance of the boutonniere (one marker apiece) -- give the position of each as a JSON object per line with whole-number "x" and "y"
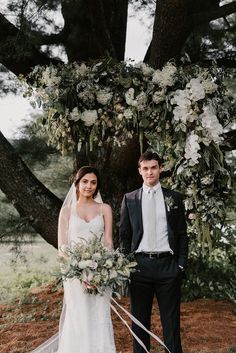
{"x": 169, "y": 201}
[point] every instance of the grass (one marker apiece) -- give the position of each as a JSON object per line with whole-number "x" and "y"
{"x": 21, "y": 270}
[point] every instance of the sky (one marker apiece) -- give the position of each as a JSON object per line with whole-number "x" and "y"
{"x": 15, "y": 111}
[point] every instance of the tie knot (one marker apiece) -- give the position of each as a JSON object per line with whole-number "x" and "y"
{"x": 151, "y": 192}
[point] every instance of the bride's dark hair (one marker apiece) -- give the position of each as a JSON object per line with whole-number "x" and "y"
{"x": 88, "y": 170}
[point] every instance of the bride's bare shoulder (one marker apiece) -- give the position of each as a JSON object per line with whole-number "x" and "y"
{"x": 106, "y": 208}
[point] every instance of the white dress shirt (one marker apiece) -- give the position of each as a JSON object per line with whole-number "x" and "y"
{"x": 160, "y": 243}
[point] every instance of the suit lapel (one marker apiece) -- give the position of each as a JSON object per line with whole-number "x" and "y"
{"x": 166, "y": 193}
{"x": 138, "y": 204}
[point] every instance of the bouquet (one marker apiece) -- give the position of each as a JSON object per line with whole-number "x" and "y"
{"x": 97, "y": 267}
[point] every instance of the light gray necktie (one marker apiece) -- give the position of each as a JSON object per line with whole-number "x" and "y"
{"x": 151, "y": 226}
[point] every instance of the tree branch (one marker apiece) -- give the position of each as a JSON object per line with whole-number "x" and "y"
{"x": 214, "y": 13}
{"x": 28, "y": 195}
{"x": 18, "y": 54}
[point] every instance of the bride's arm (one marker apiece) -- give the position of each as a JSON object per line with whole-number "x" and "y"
{"x": 63, "y": 225}
{"x": 107, "y": 214}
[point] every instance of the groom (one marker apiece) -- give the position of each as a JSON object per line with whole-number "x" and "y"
{"x": 153, "y": 226}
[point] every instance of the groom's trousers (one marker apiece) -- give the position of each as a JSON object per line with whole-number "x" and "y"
{"x": 160, "y": 277}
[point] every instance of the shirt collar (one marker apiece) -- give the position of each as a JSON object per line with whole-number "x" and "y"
{"x": 156, "y": 187}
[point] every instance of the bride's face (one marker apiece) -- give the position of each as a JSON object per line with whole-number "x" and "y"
{"x": 87, "y": 185}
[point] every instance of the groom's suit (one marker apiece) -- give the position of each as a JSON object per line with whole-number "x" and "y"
{"x": 160, "y": 274}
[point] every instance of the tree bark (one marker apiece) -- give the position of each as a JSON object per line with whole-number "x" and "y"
{"x": 175, "y": 20}
{"x": 28, "y": 195}
{"x": 94, "y": 28}
{"x": 172, "y": 26}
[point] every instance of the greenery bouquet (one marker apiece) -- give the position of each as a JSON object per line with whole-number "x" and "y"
{"x": 98, "y": 268}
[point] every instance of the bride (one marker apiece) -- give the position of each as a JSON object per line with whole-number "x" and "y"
{"x": 85, "y": 323}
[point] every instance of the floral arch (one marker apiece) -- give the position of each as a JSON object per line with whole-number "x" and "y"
{"x": 181, "y": 111}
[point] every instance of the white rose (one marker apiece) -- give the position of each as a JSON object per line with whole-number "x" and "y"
{"x": 75, "y": 115}
{"x": 89, "y": 117}
{"x": 104, "y": 97}
{"x": 129, "y": 97}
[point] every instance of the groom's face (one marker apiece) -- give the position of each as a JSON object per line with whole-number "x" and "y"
{"x": 150, "y": 172}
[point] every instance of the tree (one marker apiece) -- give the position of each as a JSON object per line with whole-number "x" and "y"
{"x": 92, "y": 29}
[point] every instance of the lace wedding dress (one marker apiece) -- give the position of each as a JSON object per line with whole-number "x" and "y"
{"x": 85, "y": 325}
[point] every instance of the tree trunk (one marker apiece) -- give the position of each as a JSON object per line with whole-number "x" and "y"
{"x": 28, "y": 195}
{"x": 172, "y": 26}
{"x": 94, "y": 28}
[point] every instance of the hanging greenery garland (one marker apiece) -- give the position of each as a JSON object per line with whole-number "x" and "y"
{"x": 182, "y": 111}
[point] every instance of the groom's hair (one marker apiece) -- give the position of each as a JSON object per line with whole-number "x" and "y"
{"x": 88, "y": 170}
{"x": 148, "y": 156}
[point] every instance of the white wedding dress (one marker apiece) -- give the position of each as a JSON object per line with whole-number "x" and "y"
{"x": 85, "y": 325}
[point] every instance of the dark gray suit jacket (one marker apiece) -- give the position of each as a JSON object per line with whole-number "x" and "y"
{"x": 131, "y": 224}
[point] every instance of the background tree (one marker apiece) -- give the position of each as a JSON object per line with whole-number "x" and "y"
{"x": 92, "y": 29}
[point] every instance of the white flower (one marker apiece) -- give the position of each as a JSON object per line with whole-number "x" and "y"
{"x": 89, "y": 117}
{"x": 75, "y": 115}
{"x": 159, "y": 96}
{"x": 129, "y": 97}
{"x": 50, "y": 77}
{"x": 209, "y": 86}
{"x": 196, "y": 89}
{"x": 81, "y": 70}
{"x": 141, "y": 101}
{"x": 192, "y": 216}
{"x": 147, "y": 71}
{"x": 86, "y": 96}
{"x": 87, "y": 263}
{"x": 104, "y": 97}
{"x": 128, "y": 114}
{"x": 183, "y": 112}
{"x": 191, "y": 149}
{"x": 166, "y": 76}
{"x": 211, "y": 124}
{"x": 181, "y": 98}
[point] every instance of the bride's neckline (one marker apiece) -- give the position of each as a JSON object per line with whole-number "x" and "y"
{"x": 92, "y": 219}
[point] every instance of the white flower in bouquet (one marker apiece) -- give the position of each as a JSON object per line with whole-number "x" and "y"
{"x": 104, "y": 269}
{"x": 158, "y": 96}
{"x": 191, "y": 149}
{"x": 141, "y": 101}
{"x": 89, "y": 117}
{"x": 128, "y": 114}
{"x": 129, "y": 97}
{"x": 211, "y": 124}
{"x": 181, "y": 98}
{"x": 104, "y": 97}
{"x": 166, "y": 76}
{"x": 50, "y": 77}
{"x": 184, "y": 114}
{"x": 147, "y": 71}
{"x": 75, "y": 115}
{"x": 86, "y": 96}
{"x": 81, "y": 70}
{"x": 209, "y": 86}
{"x": 196, "y": 89}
